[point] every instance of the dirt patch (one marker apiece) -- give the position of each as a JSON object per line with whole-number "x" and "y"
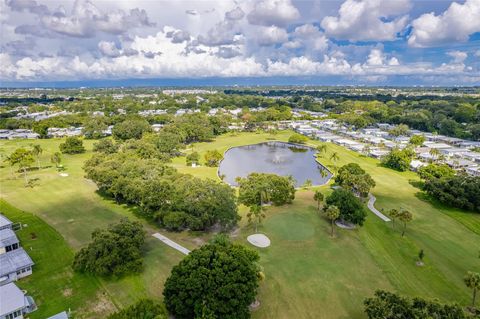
{"x": 234, "y": 233}
{"x": 103, "y": 304}
{"x": 33, "y": 236}
{"x": 198, "y": 241}
{"x": 67, "y": 292}
{"x": 101, "y": 307}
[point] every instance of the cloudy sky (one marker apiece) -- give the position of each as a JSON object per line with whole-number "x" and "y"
{"x": 350, "y": 41}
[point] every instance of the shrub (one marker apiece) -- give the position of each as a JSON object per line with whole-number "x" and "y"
{"x": 72, "y": 145}
{"x": 213, "y": 158}
{"x": 398, "y": 159}
{"x": 351, "y": 208}
{"x": 297, "y": 138}
{"x": 142, "y": 309}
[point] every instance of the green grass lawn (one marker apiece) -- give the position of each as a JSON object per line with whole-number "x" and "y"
{"x": 308, "y": 274}
{"x": 53, "y": 284}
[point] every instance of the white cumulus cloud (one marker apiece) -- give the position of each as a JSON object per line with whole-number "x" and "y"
{"x": 273, "y": 12}
{"x": 456, "y": 24}
{"x": 368, "y": 20}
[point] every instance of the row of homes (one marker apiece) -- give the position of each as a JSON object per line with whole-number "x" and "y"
{"x": 377, "y": 142}
{"x": 14, "y": 265}
{"x": 18, "y": 134}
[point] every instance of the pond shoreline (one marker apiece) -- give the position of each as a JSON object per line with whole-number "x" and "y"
{"x": 307, "y": 147}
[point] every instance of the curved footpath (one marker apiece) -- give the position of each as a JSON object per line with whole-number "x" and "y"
{"x": 371, "y": 201}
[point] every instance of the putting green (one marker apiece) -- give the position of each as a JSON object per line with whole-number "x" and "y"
{"x": 289, "y": 226}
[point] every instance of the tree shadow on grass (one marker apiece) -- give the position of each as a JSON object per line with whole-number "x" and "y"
{"x": 416, "y": 183}
{"x": 424, "y": 197}
{"x": 135, "y": 210}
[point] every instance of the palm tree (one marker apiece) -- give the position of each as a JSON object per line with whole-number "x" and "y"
{"x": 405, "y": 216}
{"x": 323, "y": 173}
{"x": 472, "y": 281}
{"x": 435, "y": 153}
{"x": 332, "y": 213}
{"x": 393, "y": 213}
{"x": 366, "y": 149}
{"x": 334, "y": 157}
{"x": 256, "y": 215}
{"x": 322, "y": 148}
{"x": 56, "y": 159}
{"x": 318, "y": 197}
{"x": 37, "y": 151}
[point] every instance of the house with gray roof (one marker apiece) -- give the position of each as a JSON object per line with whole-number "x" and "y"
{"x": 5, "y": 222}
{"x": 61, "y": 315}
{"x": 14, "y": 265}
{"x": 14, "y": 304}
{"x": 8, "y": 241}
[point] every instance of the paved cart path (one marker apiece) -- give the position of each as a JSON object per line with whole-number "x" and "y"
{"x": 171, "y": 243}
{"x": 371, "y": 201}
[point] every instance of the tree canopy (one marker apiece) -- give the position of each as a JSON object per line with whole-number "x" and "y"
{"x": 387, "y": 305}
{"x": 398, "y": 159}
{"x": 176, "y": 200}
{"x": 353, "y": 177}
{"x": 297, "y": 138}
{"x": 435, "y": 171}
{"x": 218, "y": 280}
{"x": 458, "y": 191}
{"x": 213, "y": 158}
{"x": 72, "y": 145}
{"x": 114, "y": 251}
{"x": 262, "y": 188}
{"x": 351, "y": 208}
{"x": 131, "y": 128}
{"x": 142, "y": 309}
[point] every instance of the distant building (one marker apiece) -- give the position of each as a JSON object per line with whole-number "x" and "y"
{"x": 474, "y": 171}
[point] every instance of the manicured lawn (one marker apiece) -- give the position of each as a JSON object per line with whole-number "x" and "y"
{"x": 71, "y": 205}
{"x": 308, "y": 274}
{"x": 53, "y": 284}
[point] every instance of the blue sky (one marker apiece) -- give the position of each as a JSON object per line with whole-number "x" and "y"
{"x": 370, "y": 42}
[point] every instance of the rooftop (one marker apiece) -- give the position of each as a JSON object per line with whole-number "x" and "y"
{"x": 4, "y": 221}
{"x": 7, "y": 237}
{"x": 13, "y": 261}
{"x": 11, "y": 299}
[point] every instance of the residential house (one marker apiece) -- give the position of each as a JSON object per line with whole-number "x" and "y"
{"x": 14, "y": 304}
{"x": 416, "y": 164}
{"x": 15, "y": 265}
{"x": 474, "y": 171}
{"x": 8, "y": 241}
{"x": 5, "y": 223}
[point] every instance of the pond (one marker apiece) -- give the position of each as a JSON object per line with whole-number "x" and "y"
{"x": 273, "y": 157}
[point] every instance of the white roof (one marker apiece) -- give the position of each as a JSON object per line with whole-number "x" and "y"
{"x": 11, "y": 299}
{"x": 416, "y": 164}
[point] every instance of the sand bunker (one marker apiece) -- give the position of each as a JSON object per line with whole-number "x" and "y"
{"x": 259, "y": 240}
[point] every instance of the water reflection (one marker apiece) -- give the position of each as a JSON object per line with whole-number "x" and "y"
{"x": 273, "y": 157}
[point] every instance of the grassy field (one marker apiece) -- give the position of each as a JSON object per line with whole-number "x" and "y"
{"x": 55, "y": 286}
{"x": 308, "y": 274}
